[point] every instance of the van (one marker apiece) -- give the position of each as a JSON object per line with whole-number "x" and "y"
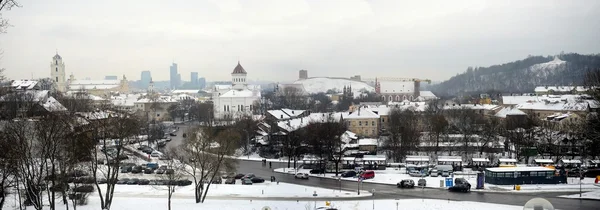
{"x": 368, "y": 175}
{"x": 433, "y": 173}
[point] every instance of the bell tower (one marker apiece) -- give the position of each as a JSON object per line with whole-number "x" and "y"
{"x": 57, "y": 73}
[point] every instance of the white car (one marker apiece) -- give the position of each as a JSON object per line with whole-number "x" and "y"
{"x": 301, "y": 176}
{"x": 155, "y": 154}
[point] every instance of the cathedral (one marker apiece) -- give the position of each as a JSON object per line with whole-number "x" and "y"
{"x": 236, "y": 100}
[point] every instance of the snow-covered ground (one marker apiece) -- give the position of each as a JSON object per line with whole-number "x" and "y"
{"x": 135, "y": 203}
{"x": 395, "y": 175}
{"x": 257, "y": 190}
{"x": 586, "y": 195}
{"x": 256, "y": 157}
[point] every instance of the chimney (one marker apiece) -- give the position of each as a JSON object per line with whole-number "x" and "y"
{"x": 292, "y": 111}
{"x": 301, "y": 120}
{"x": 281, "y": 117}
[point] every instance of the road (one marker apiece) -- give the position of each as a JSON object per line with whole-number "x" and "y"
{"x": 383, "y": 191}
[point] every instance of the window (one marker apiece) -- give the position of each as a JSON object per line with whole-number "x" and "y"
{"x": 359, "y": 123}
{"x": 224, "y": 108}
{"x": 56, "y": 69}
{"x": 250, "y": 107}
{"x": 382, "y": 119}
{"x": 56, "y": 79}
{"x": 372, "y": 123}
{"x": 56, "y": 62}
{"x": 373, "y": 132}
{"x": 158, "y": 115}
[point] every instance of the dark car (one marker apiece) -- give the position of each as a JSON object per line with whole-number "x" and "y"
{"x": 230, "y": 181}
{"x": 407, "y": 183}
{"x": 133, "y": 181}
{"x": 217, "y": 181}
{"x": 238, "y": 176}
{"x": 148, "y": 170}
{"x": 257, "y": 180}
{"x": 123, "y": 181}
{"x": 184, "y": 182}
{"x": 592, "y": 173}
{"x": 348, "y": 174}
{"x": 137, "y": 169}
{"x": 126, "y": 169}
{"x": 317, "y": 171}
{"x": 101, "y": 180}
{"x": 169, "y": 171}
{"x": 172, "y": 134}
{"x": 248, "y": 176}
{"x": 144, "y": 182}
{"x": 246, "y": 182}
{"x": 160, "y": 171}
{"x": 460, "y": 185}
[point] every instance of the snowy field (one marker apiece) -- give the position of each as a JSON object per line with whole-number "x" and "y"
{"x": 395, "y": 175}
{"x": 257, "y": 190}
{"x": 134, "y": 203}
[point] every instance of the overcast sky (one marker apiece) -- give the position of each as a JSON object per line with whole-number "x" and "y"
{"x": 274, "y": 39}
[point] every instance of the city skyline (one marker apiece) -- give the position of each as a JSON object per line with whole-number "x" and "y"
{"x": 367, "y": 38}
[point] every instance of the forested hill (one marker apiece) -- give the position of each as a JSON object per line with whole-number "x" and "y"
{"x": 521, "y": 76}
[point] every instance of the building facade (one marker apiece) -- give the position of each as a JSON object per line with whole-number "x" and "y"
{"x": 236, "y": 100}
{"x": 57, "y": 73}
{"x": 146, "y": 77}
{"x": 303, "y": 74}
{"x": 194, "y": 79}
{"x": 174, "y": 76}
{"x": 363, "y": 122}
{"x": 397, "y": 89}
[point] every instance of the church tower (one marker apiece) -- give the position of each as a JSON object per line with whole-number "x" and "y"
{"x": 238, "y": 77}
{"x": 57, "y": 73}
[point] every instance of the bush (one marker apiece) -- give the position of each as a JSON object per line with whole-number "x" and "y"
{"x": 84, "y": 189}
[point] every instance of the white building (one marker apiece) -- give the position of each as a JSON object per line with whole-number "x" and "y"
{"x": 237, "y": 99}
{"x": 57, "y": 73}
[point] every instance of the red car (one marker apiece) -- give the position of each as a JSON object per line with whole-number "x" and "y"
{"x": 367, "y": 175}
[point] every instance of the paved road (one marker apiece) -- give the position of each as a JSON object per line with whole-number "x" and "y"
{"x": 391, "y": 192}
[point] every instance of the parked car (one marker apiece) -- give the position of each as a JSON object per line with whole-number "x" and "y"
{"x": 148, "y": 170}
{"x": 301, "y": 176}
{"x": 445, "y": 173}
{"x": 248, "y": 176}
{"x": 137, "y": 169}
{"x": 123, "y": 181}
{"x": 434, "y": 173}
{"x": 133, "y": 181}
{"x": 239, "y": 176}
{"x": 183, "y": 182}
{"x": 368, "y": 175}
{"x": 230, "y": 180}
{"x": 406, "y": 183}
{"x": 257, "y": 180}
{"x": 155, "y": 154}
{"x": 144, "y": 182}
{"x": 126, "y": 169}
{"x": 348, "y": 174}
{"x": 101, "y": 180}
{"x": 460, "y": 185}
{"x": 317, "y": 171}
{"x": 152, "y": 165}
{"x": 160, "y": 171}
{"x": 422, "y": 183}
{"x": 217, "y": 180}
{"x": 172, "y": 134}
{"x": 170, "y": 171}
{"x": 246, "y": 182}
{"x": 147, "y": 150}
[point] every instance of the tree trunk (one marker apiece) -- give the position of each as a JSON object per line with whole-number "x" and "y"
{"x": 198, "y": 192}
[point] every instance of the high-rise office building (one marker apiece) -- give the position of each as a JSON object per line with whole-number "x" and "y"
{"x": 174, "y": 76}
{"x": 146, "y": 78}
{"x": 111, "y": 77}
{"x": 202, "y": 83}
{"x": 194, "y": 79}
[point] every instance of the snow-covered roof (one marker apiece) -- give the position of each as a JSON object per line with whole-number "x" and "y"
{"x": 28, "y": 95}
{"x": 160, "y": 99}
{"x": 283, "y": 114}
{"x": 417, "y": 158}
{"x": 449, "y": 159}
{"x": 472, "y": 106}
{"x": 348, "y": 158}
{"x": 362, "y": 114}
{"x": 543, "y": 161}
{"x": 408, "y": 105}
{"x": 124, "y": 99}
{"x": 595, "y": 161}
{"x": 240, "y": 94}
{"x": 509, "y": 111}
{"x": 374, "y": 158}
{"x": 367, "y": 142}
{"x": 93, "y": 84}
{"x": 323, "y": 84}
{"x": 297, "y": 123}
{"x": 571, "y": 161}
{"x": 185, "y": 91}
{"x": 554, "y": 106}
{"x": 481, "y": 160}
{"x": 23, "y": 84}
{"x": 507, "y": 160}
{"x": 53, "y": 105}
{"x": 514, "y": 169}
{"x": 560, "y": 88}
{"x": 427, "y": 94}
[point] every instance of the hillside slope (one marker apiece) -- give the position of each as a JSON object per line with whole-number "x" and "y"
{"x": 521, "y": 76}
{"x": 323, "y": 84}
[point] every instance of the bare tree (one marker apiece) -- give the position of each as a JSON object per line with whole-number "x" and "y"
{"x": 4, "y": 6}
{"x": 592, "y": 127}
{"x": 489, "y": 134}
{"x": 8, "y": 166}
{"x": 172, "y": 174}
{"x": 113, "y": 130}
{"x": 324, "y": 138}
{"x": 405, "y": 133}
